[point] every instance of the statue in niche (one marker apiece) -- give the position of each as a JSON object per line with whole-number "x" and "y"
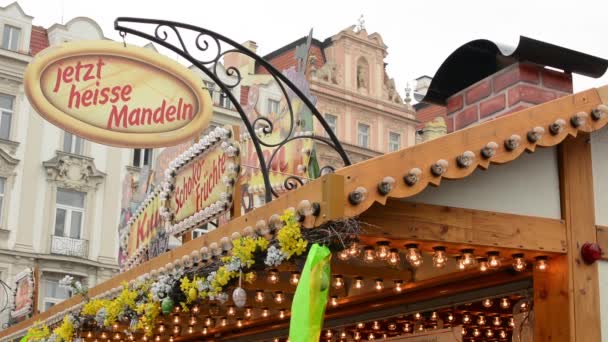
{"x": 362, "y": 76}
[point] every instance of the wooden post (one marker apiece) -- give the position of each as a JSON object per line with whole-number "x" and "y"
{"x": 36, "y": 289}
{"x": 577, "y": 204}
{"x": 551, "y": 302}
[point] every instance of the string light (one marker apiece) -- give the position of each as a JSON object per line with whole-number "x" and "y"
{"x": 420, "y": 327}
{"x": 273, "y": 276}
{"x": 223, "y": 321}
{"x": 393, "y": 257}
{"x": 434, "y": 316}
{"x": 343, "y": 254}
{"x": 450, "y": 317}
{"x": 489, "y": 333}
{"x": 376, "y": 325}
{"x": 208, "y": 321}
{"x": 192, "y": 320}
{"x": 413, "y": 255}
{"x": 177, "y": 329}
{"x": 505, "y": 303}
{"x": 379, "y": 284}
{"x": 190, "y": 329}
{"x": 511, "y": 322}
{"x": 483, "y": 264}
{"x": 519, "y": 263}
{"x": 328, "y": 334}
{"x": 481, "y": 320}
{"x": 369, "y": 254}
{"x": 358, "y": 282}
{"x": 334, "y": 301}
{"x": 487, "y": 303}
{"x": 502, "y": 334}
{"x": 464, "y": 331}
{"x": 265, "y": 312}
{"x": 259, "y": 296}
{"x": 360, "y": 325}
{"x": 439, "y": 257}
{"x": 357, "y": 336}
{"x": 89, "y": 335}
{"x": 493, "y": 259}
{"x": 383, "y": 250}
{"x": 195, "y": 309}
{"x": 371, "y": 337}
{"x": 468, "y": 259}
{"x": 541, "y": 263}
{"x": 239, "y": 322}
{"x": 248, "y": 312}
{"x": 282, "y": 313}
{"x": 354, "y": 250}
{"x": 466, "y": 319}
{"x": 338, "y": 281}
{"x": 117, "y": 335}
{"x": 205, "y": 331}
{"x": 157, "y": 338}
{"x": 407, "y": 328}
{"x": 497, "y": 321}
{"x": 398, "y": 285}
{"x": 231, "y": 311}
{"x": 278, "y": 297}
{"x": 417, "y": 316}
{"x": 460, "y": 263}
{"x": 295, "y": 278}
{"x": 161, "y": 329}
{"x": 476, "y": 332}
{"x": 392, "y": 326}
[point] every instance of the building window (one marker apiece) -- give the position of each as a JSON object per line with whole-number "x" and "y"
{"x": 142, "y": 157}
{"x": 72, "y": 143}
{"x": 363, "y": 135}
{"x": 6, "y": 107}
{"x": 332, "y": 121}
{"x": 211, "y": 87}
{"x": 2, "y": 195}
{"x": 10, "y": 38}
{"x": 200, "y": 231}
{"x": 53, "y": 293}
{"x": 69, "y": 215}
{"x": 273, "y": 107}
{"x": 224, "y": 100}
{"x": 394, "y": 142}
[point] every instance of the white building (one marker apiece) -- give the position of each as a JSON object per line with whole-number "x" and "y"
{"x": 60, "y": 196}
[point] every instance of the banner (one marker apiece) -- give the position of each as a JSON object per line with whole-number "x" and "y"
{"x": 116, "y": 94}
{"x": 23, "y": 294}
{"x": 200, "y": 183}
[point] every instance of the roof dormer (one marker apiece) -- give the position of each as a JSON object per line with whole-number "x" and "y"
{"x": 16, "y": 27}
{"x": 79, "y": 28}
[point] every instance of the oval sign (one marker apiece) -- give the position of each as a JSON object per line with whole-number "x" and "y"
{"x": 118, "y": 95}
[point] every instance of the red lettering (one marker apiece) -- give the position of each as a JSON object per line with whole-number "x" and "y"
{"x": 74, "y": 100}
{"x": 86, "y": 97}
{"x": 118, "y": 117}
{"x": 125, "y": 92}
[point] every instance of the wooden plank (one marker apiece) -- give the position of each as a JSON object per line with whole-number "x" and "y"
{"x": 368, "y": 174}
{"x": 576, "y": 187}
{"x": 602, "y": 240}
{"x": 551, "y": 301}
{"x": 416, "y": 221}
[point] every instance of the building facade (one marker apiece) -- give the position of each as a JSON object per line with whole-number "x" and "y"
{"x": 60, "y": 198}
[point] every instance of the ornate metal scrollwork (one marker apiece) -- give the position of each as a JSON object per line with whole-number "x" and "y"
{"x": 210, "y": 48}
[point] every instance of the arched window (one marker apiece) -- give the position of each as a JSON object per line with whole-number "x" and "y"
{"x": 362, "y": 74}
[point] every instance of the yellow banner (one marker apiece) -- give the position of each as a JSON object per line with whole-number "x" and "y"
{"x": 145, "y": 226}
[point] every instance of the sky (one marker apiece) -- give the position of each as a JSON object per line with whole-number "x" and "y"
{"x": 419, "y": 34}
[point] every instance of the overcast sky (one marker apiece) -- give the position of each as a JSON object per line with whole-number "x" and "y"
{"x": 419, "y": 34}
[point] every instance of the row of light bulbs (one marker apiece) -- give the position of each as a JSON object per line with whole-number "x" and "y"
{"x": 467, "y": 258}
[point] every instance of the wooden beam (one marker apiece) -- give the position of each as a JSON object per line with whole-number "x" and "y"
{"x": 416, "y": 221}
{"x": 577, "y": 202}
{"x": 551, "y": 300}
{"x": 602, "y": 240}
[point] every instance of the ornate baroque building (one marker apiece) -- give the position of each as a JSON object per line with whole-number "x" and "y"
{"x": 60, "y": 198}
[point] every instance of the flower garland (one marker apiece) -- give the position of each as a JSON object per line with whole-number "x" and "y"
{"x": 142, "y": 303}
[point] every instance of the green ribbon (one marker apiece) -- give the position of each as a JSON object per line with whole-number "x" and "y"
{"x": 310, "y": 299}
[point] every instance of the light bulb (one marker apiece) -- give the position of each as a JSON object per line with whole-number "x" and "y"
{"x": 208, "y": 321}
{"x": 161, "y": 329}
{"x": 407, "y": 328}
{"x": 248, "y": 312}
{"x": 295, "y": 278}
{"x": 511, "y": 322}
{"x": 360, "y": 325}
{"x": 328, "y": 334}
{"x": 489, "y": 333}
{"x": 439, "y": 257}
{"x": 259, "y": 296}
{"x": 519, "y": 263}
{"x": 195, "y": 309}
{"x": 392, "y": 326}
{"x": 190, "y": 329}
{"x": 358, "y": 282}
{"x": 192, "y": 320}
{"x": 450, "y": 317}
{"x": 371, "y": 337}
{"x": 343, "y": 334}
{"x": 205, "y": 331}
{"x": 231, "y": 311}
{"x": 434, "y": 316}
{"x": 282, "y": 313}
{"x": 476, "y": 332}
{"x": 334, "y": 301}
{"x": 466, "y": 319}
{"x": 502, "y": 334}
{"x": 393, "y": 257}
{"x": 338, "y": 281}
{"x": 265, "y": 312}
{"x": 487, "y": 303}
{"x": 89, "y": 335}
{"x": 383, "y": 250}
{"x": 496, "y": 321}
{"x": 379, "y": 285}
{"x": 481, "y": 320}
{"x": 369, "y": 254}
{"x": 376, "y": 325}
{"x": 273, "y": 276}
{"x": 398, "y": 285}
{"x": 157, "y": 338}
{"x": 177, "y": 329}
{"x": 483, "y": 264}
{"x": 357, "y": 336}
{"x": 493, "y": 259}
{"x": 223, "y": 321}
{"x": 239, "y": 322}
{"x": 354, "y": 250}
{"x": 468, "y": 259}
{"x": 278, "y": 297}
{"x": 413, "y": 255}
{"x": 505, "y": 303}
{"x": 343, "y": 254}
{"x": 417, "y": 316}
{"x": 541, "y": 263}
{"x": 464, "y": 331}
{"x": 420, "y": 327}
{"x": 460, "y": 263}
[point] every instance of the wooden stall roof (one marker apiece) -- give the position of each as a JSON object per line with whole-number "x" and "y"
{"x": 333, "y": 191}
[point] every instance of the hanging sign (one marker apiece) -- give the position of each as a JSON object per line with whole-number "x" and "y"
{"x": 145, "y": 227}
{"x": 23, "y": 294}
{"x": 440, "y": 335}
{"x": 200, "y": 182}
{"x": 116, "y": 94}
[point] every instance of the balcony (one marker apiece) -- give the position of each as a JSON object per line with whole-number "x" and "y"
{"x": 71, "y": 247}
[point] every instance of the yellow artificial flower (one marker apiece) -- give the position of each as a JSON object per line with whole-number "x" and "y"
{"x": 92, "y": 307}
{"x": 65, "y": 331}
{"x": 290, "y": 237}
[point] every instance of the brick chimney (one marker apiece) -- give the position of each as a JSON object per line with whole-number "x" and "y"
{"x": 514, "y": 88}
